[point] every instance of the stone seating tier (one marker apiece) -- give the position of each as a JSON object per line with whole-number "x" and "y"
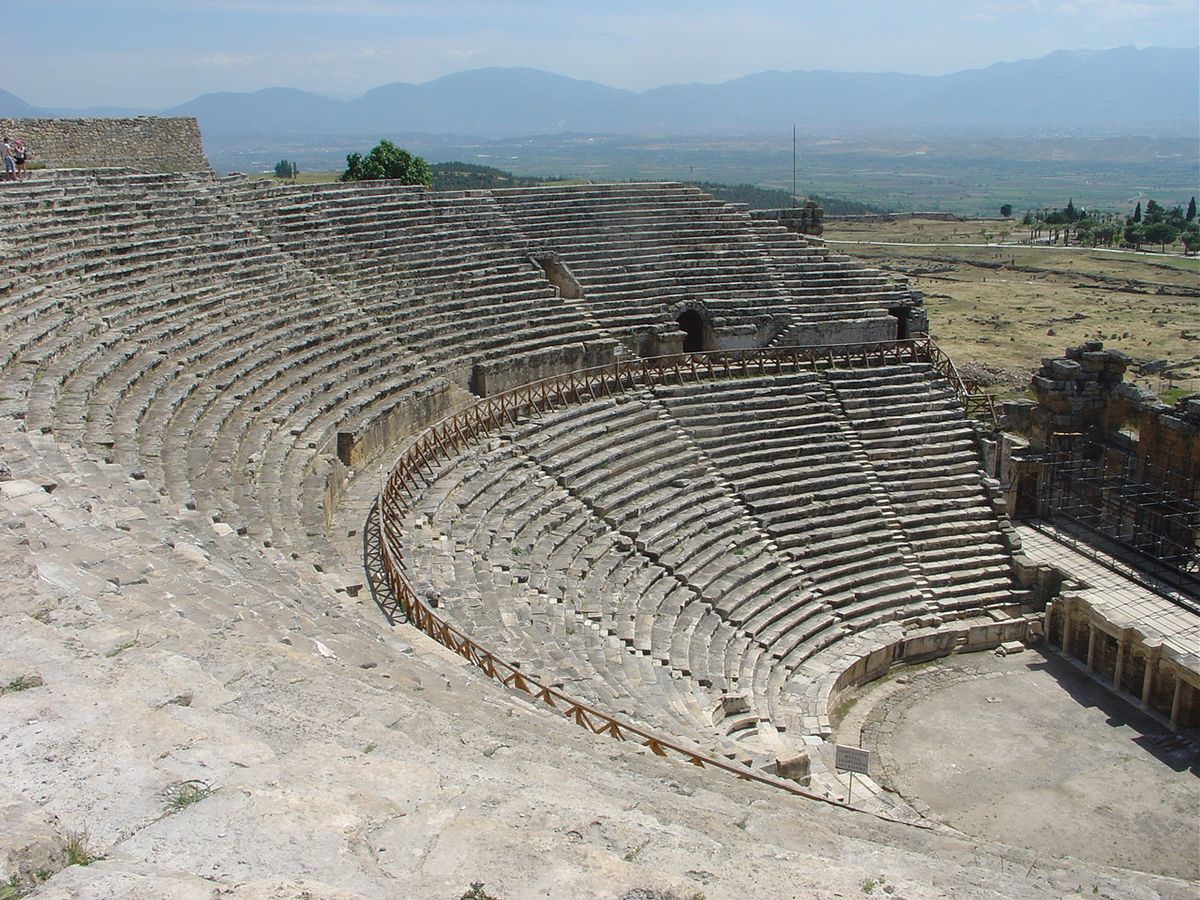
{"x": 661, "y": 245}
{"x": 653, "y": 554}
{"x": 425, "y": 265}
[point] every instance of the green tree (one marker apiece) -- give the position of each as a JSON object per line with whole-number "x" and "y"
{"x": 1135, "y": 234}
{"x": 285, "y": 169}
{"x": 1160, "y": 233}
{"x": 386, "y": 160}
{"x": 1006, "y": 210}
{"x": 1154, "y": 212}
{"x": 1190, "y": 238}
{"x": 1137, "y": 212}
{"x": 1191, "y": 210}
{"x": 1085, "y": 231}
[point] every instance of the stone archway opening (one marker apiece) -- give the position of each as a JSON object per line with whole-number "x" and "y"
{"x": 692, "y": 325}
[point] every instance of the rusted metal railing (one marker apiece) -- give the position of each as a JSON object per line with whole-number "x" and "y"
{"x": 443, "y": 441}
{"x": 977, "y": 402}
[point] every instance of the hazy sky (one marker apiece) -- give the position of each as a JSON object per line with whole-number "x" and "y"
{"x": 156, "y": 53}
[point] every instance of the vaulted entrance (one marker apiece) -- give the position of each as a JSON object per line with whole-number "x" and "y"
{"x": 693, "y": 328}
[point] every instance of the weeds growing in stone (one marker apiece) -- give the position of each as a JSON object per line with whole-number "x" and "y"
{"x": 184, "y": 794}
{"x": 78, "y": 849}
{"x": 122, "y": 647}
{"x": 476, "y": 892}
{"x": 22, "y": 683}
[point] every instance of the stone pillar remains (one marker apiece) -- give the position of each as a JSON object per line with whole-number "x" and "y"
{"x": 1122, "y": 649}
{"x": 1152, "y": 646}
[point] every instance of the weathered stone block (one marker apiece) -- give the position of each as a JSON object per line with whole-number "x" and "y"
{"x": 794, "y": 768}
{"x": 1065, "y": 368}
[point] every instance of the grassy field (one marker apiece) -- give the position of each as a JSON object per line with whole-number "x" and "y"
{"x": 1001, "y": 309}
{"x": 302, "y": 178}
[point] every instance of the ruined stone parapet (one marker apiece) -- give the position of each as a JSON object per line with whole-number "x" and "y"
{"x": 1102, "y": 431}
{"x": 804, "y": 219}
{"x": 1079, "y": 392}
{"x": 144, "y": 144}
{"x": 1084, "y": 393}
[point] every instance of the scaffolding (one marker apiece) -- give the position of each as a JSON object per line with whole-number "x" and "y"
{"x": 1149, "y": 509}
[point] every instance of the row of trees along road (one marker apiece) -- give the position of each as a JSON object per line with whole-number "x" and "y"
{"x": 1094, "y": 228}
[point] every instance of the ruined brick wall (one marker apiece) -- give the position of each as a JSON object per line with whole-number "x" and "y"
{"x": 1084, "y": 393}
{"x": 146, "y": 143}
{"x": 804, "y": 219}
{"x": 1121, "y": 458}
{"x": 1169, "y": 442}
{"x": 1079, "y": 393}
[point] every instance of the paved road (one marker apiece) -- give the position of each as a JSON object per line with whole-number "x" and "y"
{"x": 1013, "y": 246}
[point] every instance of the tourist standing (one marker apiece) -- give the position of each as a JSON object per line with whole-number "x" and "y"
{"x": 19, "y": 156}
{"x": 10, "y": 164}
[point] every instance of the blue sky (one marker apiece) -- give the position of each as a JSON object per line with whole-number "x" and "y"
{"x": 156, "y": 53}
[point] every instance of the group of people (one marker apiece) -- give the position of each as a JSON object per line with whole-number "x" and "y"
{"x": 12, "y": 150}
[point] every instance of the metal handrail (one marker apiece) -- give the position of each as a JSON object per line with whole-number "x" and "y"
{"x": 445, "y": 438}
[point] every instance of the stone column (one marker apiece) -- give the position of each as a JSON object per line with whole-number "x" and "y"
{"x": 1122, "y": 649}
{"x": 1151, "y": 646}
{"x": 1177, "y": 702}
{"x": 1093, "y": 633}
{"x": 1066, "y": 625}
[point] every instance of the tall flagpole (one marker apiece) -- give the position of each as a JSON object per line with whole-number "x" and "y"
{"x": 793, "y": 165}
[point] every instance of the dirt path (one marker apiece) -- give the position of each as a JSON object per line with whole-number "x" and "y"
{"x": 1012, "y": 245}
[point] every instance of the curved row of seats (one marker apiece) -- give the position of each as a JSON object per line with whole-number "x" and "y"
{"x": 913, "y": 433}
{"x": 156, "y": 321}
{"x": 639, "y": 250}
{"x": 438, "y": 269}
{"x": 181, "y": 343}
{"x": 734, "y": 533}
{"x": 675, "y": 555}
{"x": 784, "y": 446}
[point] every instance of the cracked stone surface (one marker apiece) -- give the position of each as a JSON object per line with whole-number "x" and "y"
{"x": 385, "y": 767}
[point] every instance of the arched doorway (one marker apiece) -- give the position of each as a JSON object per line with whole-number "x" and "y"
{"x": 692, "y": 327}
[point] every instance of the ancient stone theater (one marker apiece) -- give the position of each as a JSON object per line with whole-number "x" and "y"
{"x": 366, "y": 540}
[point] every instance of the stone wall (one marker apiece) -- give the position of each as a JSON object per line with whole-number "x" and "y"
{"x": 1088, "y": 420}
{"x": 877, "y": 661}
{"x": 804, "y": 219}
{"x": 145, "y": 144}
{"x": 1084, "y": 393}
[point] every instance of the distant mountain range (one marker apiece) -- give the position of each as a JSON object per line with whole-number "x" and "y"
{"x": 1093, "y": 91}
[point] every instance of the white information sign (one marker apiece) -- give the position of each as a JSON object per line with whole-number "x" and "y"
{"x": 852, "y": 759}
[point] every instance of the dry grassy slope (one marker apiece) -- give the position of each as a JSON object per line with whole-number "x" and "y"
{"x": 1010, "y": 306}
